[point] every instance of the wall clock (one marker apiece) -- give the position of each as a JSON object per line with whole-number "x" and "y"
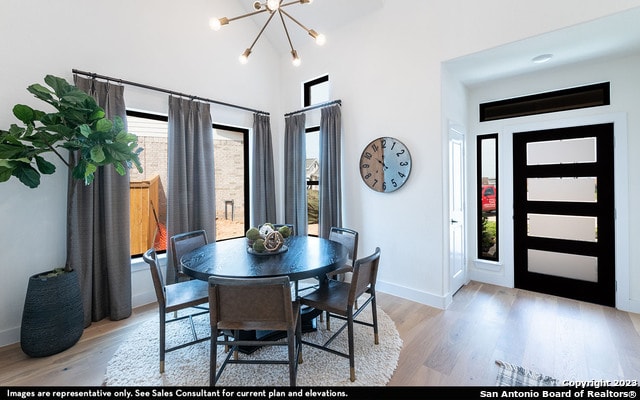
{"x": 385, "y": 164}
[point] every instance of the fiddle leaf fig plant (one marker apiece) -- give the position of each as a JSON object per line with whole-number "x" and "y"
{"x": 78, "y": 125}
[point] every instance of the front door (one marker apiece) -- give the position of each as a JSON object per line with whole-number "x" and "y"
{"x": 564, "y": 213}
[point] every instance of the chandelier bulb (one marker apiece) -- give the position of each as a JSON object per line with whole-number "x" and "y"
{"x": 319, "y": 37}
{"x": 244, "y": 58}
{"x": 273, "y": 5}
{"x": 216, "y": 23}
{"x": 296, "y": 60}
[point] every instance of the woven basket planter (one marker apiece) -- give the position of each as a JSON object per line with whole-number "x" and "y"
{"x": 53, "y": 316}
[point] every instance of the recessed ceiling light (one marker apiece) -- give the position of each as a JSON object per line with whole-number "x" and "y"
{"x": 542, "y": 58}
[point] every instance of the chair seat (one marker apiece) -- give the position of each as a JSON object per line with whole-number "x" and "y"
{"x": 185, "y": 294}
{"x": 332, "y": 297}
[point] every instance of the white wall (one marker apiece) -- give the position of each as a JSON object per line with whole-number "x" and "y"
{"x": 625, "y": 97}
{"x": 386, "y": 67}
{"x": 163, "y": 43}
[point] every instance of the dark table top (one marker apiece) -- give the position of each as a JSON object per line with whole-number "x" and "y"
{"x": 305, "y": 257}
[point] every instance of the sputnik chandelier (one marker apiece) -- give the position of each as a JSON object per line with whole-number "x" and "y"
{"x": 272, "y": 7}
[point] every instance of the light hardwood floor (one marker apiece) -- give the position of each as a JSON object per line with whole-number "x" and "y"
{"x": 563, "y": 338}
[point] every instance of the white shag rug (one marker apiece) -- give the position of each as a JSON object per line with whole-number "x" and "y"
{"x": 136, "y": 362}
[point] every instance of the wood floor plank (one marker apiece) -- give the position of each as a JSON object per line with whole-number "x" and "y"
{"x": 453, "y": 347}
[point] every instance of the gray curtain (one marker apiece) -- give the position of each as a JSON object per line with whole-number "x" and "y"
{"x": 191, "y": 202}
{"x": 98, "y": 238}
{"x": 295, "y": 189}
{"x": 263, "y": 205}
{"x": 330, "y": 207}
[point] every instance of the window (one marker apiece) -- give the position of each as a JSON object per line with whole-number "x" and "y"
{"x": 560, "y": 100}
{"x": 313, "y": 178}
{"x": 315, "y": 91}
{"x": 487, "y": 189}
{"x": 148, "y": 189}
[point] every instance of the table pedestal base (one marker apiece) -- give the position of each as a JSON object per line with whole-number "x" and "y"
{"x": 308, "y": 325}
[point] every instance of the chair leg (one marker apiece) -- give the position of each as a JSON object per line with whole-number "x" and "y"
{"x": 299, "y": 339}
{"x": 213, "y": 357}
{"x": 291, "y": 339}
{"x": 352, "y": 363}
{"x": 162, "y": 338}
{"x": 374, "y": 313}
{"x": 328, "y": 321}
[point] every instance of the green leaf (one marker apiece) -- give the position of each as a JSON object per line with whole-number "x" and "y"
{"x": 88, "y": 174}
{"x": 27, "y": 175}
{"x": 120, "y": 169}
{"x": 5, "y": 174}
{"x": 41, "y": 92}
{"x": 104, "y": 125}
{"x": 97, "y": 154}
{"x": 85, "y": 130}
{"x": 45, "y": 166}
{"x": 24, "y": 113}
{"x": 10, "y": 151}
{"x": 59, "y": 85}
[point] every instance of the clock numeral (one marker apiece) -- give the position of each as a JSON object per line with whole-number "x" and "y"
{"x": 384, "y": 143}
{"x": 398, "y": 154}
{"x": 365, "y": 166}
{"x": 404, "y": 163}
{"x": 375, "y": 147}
{"x": 384, "y": 185}
{"x": 394, "y": 183}
{"x": 367, "y": 176}
{"x": 401, "y": 175}
{"x": 367, "y": 155}
{"x": 375, "y": 182}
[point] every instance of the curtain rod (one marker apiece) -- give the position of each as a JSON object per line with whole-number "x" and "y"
{"x": 141, "y": 85}
{"x": 328, "y": 103}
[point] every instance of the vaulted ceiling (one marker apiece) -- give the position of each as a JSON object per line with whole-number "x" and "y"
{"x": 614, "y": 35}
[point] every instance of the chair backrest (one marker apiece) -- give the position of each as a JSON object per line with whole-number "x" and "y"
{"x": 365, "y": 274}
{"x": 151, "y": 258}
{"x": 183, "y": 243}
{"x": 251, "y": 303}
{"x": 348, "y": 238}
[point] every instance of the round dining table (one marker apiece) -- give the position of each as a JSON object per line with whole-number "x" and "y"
{"x": 301, "y": 257}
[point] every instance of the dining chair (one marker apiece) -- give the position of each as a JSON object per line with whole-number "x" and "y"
{"x": 183, "y": 243}
{"x": 348, "y": 238}
{"x": 173, "y": 298}
{"x": 337, "y": 299}
{"x": 253, "y": 304}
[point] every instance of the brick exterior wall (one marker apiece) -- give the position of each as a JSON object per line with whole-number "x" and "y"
{"x": 229, "y": 169}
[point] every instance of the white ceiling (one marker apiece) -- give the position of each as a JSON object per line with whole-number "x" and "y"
{"x": 323, "y": 16}
{"x": 614, "y": 35}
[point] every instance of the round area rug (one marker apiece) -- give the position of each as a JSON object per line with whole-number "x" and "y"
{"x": 136, "y": 362}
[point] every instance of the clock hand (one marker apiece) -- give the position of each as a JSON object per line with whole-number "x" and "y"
{"x": 381, "y": 163}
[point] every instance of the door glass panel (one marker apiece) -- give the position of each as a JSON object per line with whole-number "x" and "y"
{"x": 582, "y": 189}
{"x": 563, "y": 227}
{"x": 567, "y": 151}
{"x": 565, "y": 265}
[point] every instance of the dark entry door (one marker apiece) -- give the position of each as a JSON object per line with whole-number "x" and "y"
{"x": 564, "y": 223}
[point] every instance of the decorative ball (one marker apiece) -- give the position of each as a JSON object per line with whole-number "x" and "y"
{"x": 285, "y": 231}
{"x": 273, "y": 241}
{"x": 259, "y": 245}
